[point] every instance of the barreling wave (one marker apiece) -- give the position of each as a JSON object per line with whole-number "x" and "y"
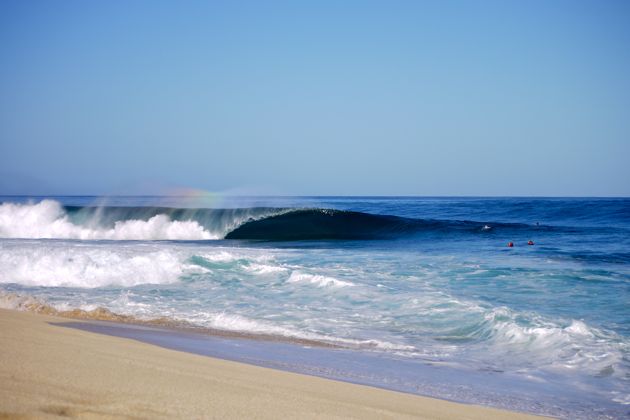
{"x": 315, "y": 224}
{"x": 49, "y": 219}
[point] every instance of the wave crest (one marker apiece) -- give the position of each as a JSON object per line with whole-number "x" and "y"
{"x": 48, "y": 219}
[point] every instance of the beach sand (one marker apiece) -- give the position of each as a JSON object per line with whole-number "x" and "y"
{"x": 50, "y": 371}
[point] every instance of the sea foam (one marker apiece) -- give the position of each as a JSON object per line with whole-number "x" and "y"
{"x": 48, "y": 219}
{"x": 544, "y": 343}
{"x": 317, "y": 280}
{"x": 87, "y": 266}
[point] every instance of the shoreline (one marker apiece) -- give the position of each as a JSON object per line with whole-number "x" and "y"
{"x": 48, "y": 370}
{"x": 28, "y": 303}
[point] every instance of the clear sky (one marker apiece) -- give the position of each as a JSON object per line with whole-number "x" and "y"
{"x": 315, "y": 98}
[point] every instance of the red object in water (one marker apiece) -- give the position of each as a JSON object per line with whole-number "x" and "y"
{"x": 510, "y": 244}
{"x": 530, "y": 242}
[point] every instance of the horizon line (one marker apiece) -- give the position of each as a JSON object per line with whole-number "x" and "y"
{"x": 325, "y": 196}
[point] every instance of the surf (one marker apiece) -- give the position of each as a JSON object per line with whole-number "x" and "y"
{"x": 49, "y": 219}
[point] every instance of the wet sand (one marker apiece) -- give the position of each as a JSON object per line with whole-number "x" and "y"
{"x": 51, "y": 371}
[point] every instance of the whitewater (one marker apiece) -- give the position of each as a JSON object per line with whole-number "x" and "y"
{"x": 403, "y": 283}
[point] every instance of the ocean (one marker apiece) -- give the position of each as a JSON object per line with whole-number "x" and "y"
{"x": 417, "y": 294}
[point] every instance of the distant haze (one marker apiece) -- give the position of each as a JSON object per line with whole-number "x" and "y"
{"x": 315, "y": 98}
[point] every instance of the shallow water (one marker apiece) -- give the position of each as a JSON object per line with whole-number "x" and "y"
{"x": 434, "y": 285}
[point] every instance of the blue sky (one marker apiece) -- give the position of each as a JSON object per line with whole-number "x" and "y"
{"x": 315, "y": 98}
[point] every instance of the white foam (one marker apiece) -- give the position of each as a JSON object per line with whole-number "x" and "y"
{"x": 220, "y": 257}
{"x": 263, "y": 269}
{"x": 47, "y": 219}
{"x": 217, "y": 320}
{"x": 579, "y": 328}
{"x": 18, "y": 302}
{"x": 547, "y": 344}
{"x": 317, "y": 280}
{"x": 90, "y": 266}
{"x": 232, "y": 322}
{"x": 224, "y": 256}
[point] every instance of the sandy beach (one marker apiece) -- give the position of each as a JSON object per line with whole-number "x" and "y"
{"x": 50, "y": 371}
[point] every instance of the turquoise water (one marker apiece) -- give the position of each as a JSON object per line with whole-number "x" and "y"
{"x": 397, "y": 281}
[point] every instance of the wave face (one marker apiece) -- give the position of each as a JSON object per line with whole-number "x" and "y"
{"x": 324, "y": 224}
{"x": 314, "y": 224}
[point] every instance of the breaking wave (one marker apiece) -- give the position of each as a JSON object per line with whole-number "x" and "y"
{"x": 316, "y": 224}
{"x": 50, "y": 220}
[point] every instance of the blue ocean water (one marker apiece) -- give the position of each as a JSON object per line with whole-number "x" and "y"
{"x": 413, "y": 288}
